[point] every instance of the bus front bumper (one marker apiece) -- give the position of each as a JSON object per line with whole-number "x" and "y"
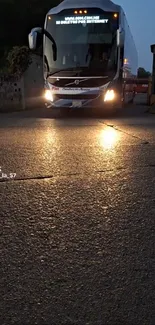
{"x": 80, "y": 101}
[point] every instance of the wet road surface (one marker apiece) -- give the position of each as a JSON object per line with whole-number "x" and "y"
{"x": 77, "y": 236}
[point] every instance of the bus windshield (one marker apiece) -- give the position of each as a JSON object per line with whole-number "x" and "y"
{"x": 85, "y": 41}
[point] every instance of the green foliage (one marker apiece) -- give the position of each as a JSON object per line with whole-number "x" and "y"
{"x": 142, "y": 73}
{"x": 18, "y": 60}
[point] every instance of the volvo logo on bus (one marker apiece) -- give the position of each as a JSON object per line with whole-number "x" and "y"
{"x": 77, "y": 82}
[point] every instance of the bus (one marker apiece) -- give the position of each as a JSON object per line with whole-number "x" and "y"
{"x": 88, "y": 55}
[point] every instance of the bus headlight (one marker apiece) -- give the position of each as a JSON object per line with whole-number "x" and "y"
{"x": 109, "y": 95}
{"x": 48, "y": 95}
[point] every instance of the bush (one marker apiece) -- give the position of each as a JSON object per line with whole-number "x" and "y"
{"x": 19, "y": 59}
{"x": 142, "y": 73}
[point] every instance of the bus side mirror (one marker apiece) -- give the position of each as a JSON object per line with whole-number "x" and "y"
{"x": 120, "y": 38}
{"x": 32, "y": 37}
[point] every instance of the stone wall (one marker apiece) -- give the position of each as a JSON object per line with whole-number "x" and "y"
{"x": 33, "y": 83}
{"x": 23, "y": 93}
{"x": 11, "y": 93}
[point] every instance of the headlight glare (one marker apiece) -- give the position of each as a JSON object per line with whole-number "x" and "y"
{"x": 109, "y": 95}
{"x": 48, "y": 95}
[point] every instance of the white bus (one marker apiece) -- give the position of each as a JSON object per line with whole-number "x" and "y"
{"x": 89, "y": 55}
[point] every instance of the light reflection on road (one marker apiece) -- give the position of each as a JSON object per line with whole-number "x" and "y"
{"x": 109, "y": 138}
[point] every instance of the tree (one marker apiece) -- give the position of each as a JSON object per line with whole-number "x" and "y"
{"x": 142, "y": 73}
{"x": 19, "y": 58}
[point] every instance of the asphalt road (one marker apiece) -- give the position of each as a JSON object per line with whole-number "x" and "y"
{"x": 77, "y": 222}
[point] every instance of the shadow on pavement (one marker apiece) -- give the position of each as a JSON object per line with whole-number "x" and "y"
{"x": 129, "y": 111}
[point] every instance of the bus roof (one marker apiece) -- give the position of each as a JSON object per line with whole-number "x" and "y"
{"x": 106, "y": 5}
